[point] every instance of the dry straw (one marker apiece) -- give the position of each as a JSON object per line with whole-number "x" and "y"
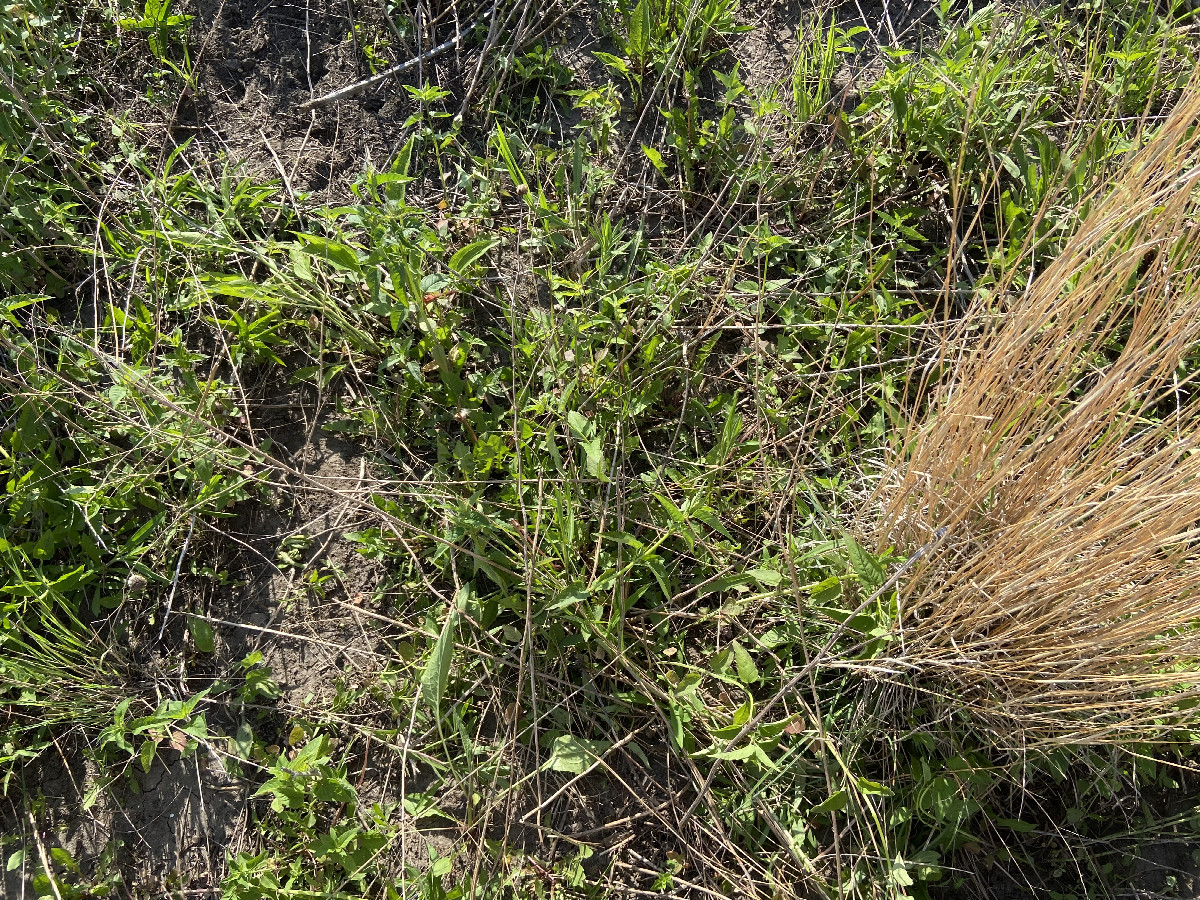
{"x": 1062, "y": 456}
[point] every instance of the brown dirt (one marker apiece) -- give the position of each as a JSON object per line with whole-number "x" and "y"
{"x": 768, "y": 51}
{"x": 259, "y": 61}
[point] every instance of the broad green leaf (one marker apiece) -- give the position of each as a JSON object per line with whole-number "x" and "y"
{"x": 15, "y": 302}
{"x": 826, "y": 591}
{"x": 1016, "y": 825}
{"x": 581, "y": 426}
{"x": 301, "y": 267}
{"x": 639, "y": 31}
{"x": 613, "y": 62}
{"x": 656, "y": 567}
{"x": 437, "y": 670}
{"x": 836, "y": 802}
{"x": 462, "y": 261}
{"x": 422, "y": 806}
{"x": 899, "y": 874}
{"x": 92, "y": 796}
{"x": 928, "y": 865}
{"x": 675, "y": 720}
{"x": 400, "y": 166}
{"x": 720, "y": 662}
{"x": 572, "y": 595}
{"x": 655, "y": 157}
{"x": 721, "y": 585}
{"x": 339, "y": 255}
{"x": 865, "y": 566}
{"x": 766, "y": 577}
{"x": 63, "y": 857}
{"x": 706, "y": 515}
{"x": 727, "y": 443}
{"x": 742, "y": 716}
{"x": 202, "y": 635}
{"x": 737, "y": 755}
{"x": 243, "y": 741}
{"x": 146, "y": 755}
{"x": 575, "y": 755}
{"x": 333, "y": 789}
{"x": 232, "y": 286}
{"x": 593, "y": 452}
{"x": 872, "y": 788}
{"x": 669, "y": 505}
{"x": 747, "y": 671}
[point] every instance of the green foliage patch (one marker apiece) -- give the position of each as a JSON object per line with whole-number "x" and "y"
{"x": 623, "y": 382}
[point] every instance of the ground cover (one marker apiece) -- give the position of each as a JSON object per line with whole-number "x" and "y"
{"x": 703, "y": 449}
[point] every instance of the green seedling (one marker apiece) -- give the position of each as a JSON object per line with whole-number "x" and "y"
{"x": 163, "y": 29}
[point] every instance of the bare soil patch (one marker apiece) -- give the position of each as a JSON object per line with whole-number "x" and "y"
{"x": 258, "y": 62}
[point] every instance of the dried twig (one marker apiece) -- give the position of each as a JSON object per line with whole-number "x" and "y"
{"x": 359, "y": 87}
{"x": 175, "y": 580}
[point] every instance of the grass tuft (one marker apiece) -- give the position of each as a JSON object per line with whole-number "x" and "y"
{"x": 1058, "y": 464}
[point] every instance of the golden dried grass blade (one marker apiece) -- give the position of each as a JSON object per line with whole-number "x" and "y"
{"x": 1063, "y": 457}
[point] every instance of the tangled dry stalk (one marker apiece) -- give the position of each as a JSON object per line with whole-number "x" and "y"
{"x": 1062, "y": 456}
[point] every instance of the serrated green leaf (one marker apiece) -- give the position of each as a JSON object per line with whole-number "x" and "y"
{"x": 865, "y": 565}
{"x": 639, "y": 30}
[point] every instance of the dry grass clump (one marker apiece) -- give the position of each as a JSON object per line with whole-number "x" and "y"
{"x": 1062, "y": 458}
